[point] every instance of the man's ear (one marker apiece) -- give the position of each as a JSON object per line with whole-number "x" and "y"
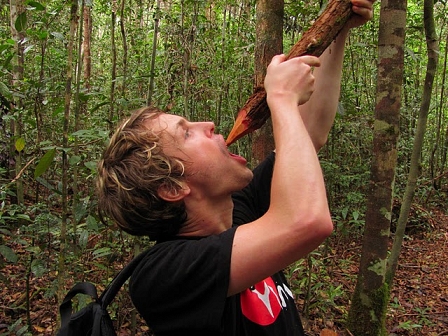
{"x": 172, "y": 194}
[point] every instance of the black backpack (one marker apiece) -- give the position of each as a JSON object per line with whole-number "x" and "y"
{"x": 93, "y": 320}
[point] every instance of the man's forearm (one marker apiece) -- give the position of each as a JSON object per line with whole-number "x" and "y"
{"x": 319, "y": 112}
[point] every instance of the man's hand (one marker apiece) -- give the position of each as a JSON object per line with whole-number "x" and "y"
{"x": 363, "y": 10}
{"x": 290, "y": 80}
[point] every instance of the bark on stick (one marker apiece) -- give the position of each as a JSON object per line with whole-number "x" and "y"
{"x": 313, "y": 42}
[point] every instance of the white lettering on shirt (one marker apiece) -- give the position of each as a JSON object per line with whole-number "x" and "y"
{"x": 265, "y": 297}
{"x": 284, "y": 291}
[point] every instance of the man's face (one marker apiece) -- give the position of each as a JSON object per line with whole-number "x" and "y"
{"x": 210, "y": 170}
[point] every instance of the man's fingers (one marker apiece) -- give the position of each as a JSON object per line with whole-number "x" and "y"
{"x": 310, "y": 60}
{"x": 277, "y": 59}
{"x": 366, "y": 13}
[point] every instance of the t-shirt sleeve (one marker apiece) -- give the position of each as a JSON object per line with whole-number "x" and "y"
{"x": 183, "y": 284}
{"x": 253, "y": 201}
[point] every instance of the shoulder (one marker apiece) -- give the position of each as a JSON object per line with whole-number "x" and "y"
{"x": 179, "y": 277}
{"x": 182, "y": 256}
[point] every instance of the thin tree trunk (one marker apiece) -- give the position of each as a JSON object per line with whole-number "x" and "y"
{"x": 38, "y": 107}
{"x": 77, "y": 115}
{"x": 367, "y": 312}
{"x": 441, "y": 104}
{"x": 153, "y": 55}
{"x": 431, "y": 68}
{"x": 113, "y": 69}
{"x": 223, "y": 92}
{"x": 17, "y": 10}
{"x": 87, "y": 62}
{"x": 188, "y": 38}
{"x": 65, "y": 144}
{"x": 125, "y": 51}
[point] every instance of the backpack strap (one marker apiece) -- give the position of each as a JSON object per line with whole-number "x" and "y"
{"x": 88, "y": 288}
{"x": 114, "y": 286}
{"x": 65, "y": 308}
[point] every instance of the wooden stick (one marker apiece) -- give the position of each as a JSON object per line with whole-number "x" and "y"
{"x": 313, "y": 42}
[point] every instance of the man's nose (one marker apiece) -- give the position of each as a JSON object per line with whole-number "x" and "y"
{"x": 208, "y": 127}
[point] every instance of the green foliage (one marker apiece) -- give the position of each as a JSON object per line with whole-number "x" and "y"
{"x": 310, "y": 281}
{"x": 408, "y": 325}
{"x": 45, "y": 162}
{"x": 18, "y": 329}
{"x": 203, "y": 70}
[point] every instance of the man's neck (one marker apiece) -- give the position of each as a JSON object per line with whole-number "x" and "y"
{"x": 207, "y": 217}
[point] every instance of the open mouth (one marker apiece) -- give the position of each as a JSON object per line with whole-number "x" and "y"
{"x": 238, "y": 158}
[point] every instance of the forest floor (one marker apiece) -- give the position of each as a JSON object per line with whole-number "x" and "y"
{"x": 419, "y": 299}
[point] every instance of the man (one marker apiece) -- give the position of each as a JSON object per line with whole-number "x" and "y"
{"x": 173, "y": 180}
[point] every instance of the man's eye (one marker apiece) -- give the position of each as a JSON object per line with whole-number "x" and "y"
{"x": 187, "y": 133}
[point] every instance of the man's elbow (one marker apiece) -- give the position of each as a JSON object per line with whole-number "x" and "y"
{"x": 319, "y": 142}
{"x": 326, "y": 227}
{"x": 319, "y": 227}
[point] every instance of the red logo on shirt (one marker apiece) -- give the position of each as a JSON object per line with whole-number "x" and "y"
{"x": 261, "y": 303}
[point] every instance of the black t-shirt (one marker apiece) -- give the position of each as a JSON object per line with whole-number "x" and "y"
{"x": 180, "y": 288}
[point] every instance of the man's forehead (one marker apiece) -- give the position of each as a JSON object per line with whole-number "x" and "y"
{"x": 165, "y": 120}
{"x": 167, "y": 126}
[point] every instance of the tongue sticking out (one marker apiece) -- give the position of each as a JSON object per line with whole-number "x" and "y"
{"x": 238, "y": 158}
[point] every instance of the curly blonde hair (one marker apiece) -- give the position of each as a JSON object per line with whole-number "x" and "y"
{"x": 132, "y": 170}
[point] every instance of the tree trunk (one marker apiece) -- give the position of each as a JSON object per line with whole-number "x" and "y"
{"x": 269, "y": 42}
{"x": 442, "y": 159}
{"x": 77, "y": 116}
{"x": 125, "y": 51}
{"x": 17, "y": 14}
{"x": 224, "y": 79}
{"x": 113, "y": 68}
{"x": 433, "y": 58}
{"x": 367, "y": 312}
{"x": 188, "y": 47}
{"x": 86, "y": 41}
{"x": 65, "y": 144}
{"x": 153, "y": 55}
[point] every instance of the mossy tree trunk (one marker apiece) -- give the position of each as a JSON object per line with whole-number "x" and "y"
{"x": 431, "y": 67}
{"x": 368, "y": 309}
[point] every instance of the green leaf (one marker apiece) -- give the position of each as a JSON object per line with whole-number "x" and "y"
{"x": 42, "y": 35}
{"x": 58, "y": 111}
{"x": 20, "y": 23}
{"x": 8, "y": 253}
{"x": 92, "y": 224}
{"x": 20, "y": 144}
{"x": 99, "y": 105}
{"x": 36, "y": 5}
{"x": 74, "y": 159}
{"x": 91, "y": 134}
{"x": 92, "y": 165}
{"x": 83, "y": 238}
{"x": 4, "y": 91}
{"x": 79, "y": 212}
{"x": 6, "y": 232}
{"x": 44, "y": 162}
{"x": 38, "y": 268}
{"x": 58, "y": 35}
{"x": 27, "y": 49}
{"x": 23, "y": 216}
{"x": 101, "y": 252}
